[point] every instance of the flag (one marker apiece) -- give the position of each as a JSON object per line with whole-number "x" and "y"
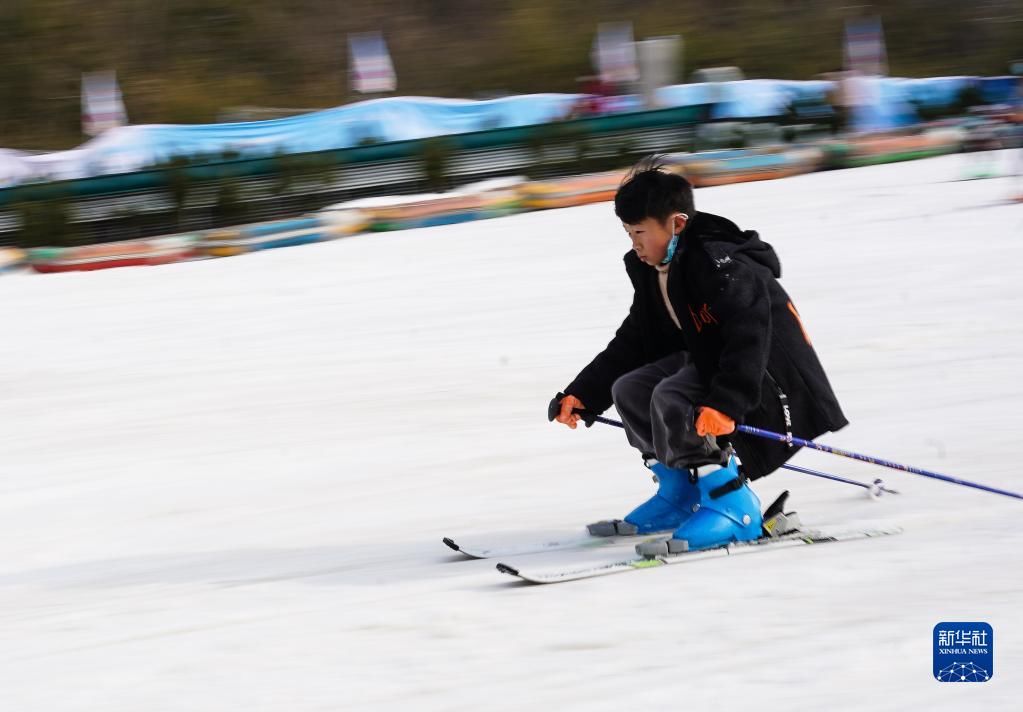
{"x": 369, "y": 64}
{"x": 614, "y": 53}
{"x": 864, "y": 47}
{"x": 102, "y": 107}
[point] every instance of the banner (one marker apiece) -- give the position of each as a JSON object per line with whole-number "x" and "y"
{"x": 659, "y": 60}
{"x": 369, "y": 64}
{"x": 614, "y": 53}
{"x": 864, "y": 47}
{"x": 102, "y": 107}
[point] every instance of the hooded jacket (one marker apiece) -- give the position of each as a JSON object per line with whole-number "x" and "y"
{"x": 743, "y": 334}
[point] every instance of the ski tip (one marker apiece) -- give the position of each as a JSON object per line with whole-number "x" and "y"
{"x": 450, "y": 543}
{"x": 505, "y": 569}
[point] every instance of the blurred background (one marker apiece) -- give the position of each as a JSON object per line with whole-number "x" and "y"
{"x": 189, "y": 61}
{"x": 132, "y": 119}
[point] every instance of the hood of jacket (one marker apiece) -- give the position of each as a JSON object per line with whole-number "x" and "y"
{"x": 723, "y": 241}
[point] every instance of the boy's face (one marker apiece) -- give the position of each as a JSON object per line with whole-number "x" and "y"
{"x": 650, "y": 238}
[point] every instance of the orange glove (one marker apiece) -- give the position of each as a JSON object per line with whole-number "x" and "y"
{"x": 713, "y": 422}
{"x": 566, "y": 416}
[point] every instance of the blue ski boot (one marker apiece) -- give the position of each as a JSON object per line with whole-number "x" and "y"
{"x": 676, "y": 499}
{"x": 727, "y": 510}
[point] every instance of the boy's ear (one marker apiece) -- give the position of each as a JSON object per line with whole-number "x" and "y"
{"x": 678, "y": 222}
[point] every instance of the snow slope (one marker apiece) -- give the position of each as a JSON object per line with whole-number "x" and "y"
{"x": 223, "y": 484}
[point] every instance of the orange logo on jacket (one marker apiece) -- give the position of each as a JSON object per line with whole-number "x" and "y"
{"x": 792, "y": 308}
{"x": 702, "y": 317}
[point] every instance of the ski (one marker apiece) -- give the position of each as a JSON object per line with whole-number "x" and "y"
{"x": 637, "y": 562}
{"x": 539, "y": 545}
{"x": 579, "y": 539}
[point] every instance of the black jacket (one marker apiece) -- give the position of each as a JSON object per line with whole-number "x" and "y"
{"x": 743, "y": 334}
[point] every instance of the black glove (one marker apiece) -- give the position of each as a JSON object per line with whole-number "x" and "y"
{"x": 554, "y": 410}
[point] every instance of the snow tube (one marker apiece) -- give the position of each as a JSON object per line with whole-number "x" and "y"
{"x": 572, "y": 191}
{"x": 11, "y": 258}
{"x": 131, "y": 253}
{"x": 229, "y": 244}
{"x": 443, "y": 219}
{"x": 873, "y": 150}
{"x": 279, "y": 233}
{"x": 742, "y": 165}
{"x": 443, "y": 209}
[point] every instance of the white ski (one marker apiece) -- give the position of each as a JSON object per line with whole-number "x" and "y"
{"x": 637, "y": 562}
{"x": 541, "y": 544}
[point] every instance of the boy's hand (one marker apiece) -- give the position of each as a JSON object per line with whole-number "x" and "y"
{"x": 713, "y": 422}
{"x": 561, "y": 408}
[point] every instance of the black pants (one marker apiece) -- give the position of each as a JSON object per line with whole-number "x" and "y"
{"x": 657, "y": 403}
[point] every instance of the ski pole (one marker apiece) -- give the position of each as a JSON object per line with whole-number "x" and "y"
{"x": 759, "y": 432}
{"x": 874, "y": 489}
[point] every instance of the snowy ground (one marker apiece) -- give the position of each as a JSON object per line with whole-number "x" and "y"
{"x": 223, "y": 484}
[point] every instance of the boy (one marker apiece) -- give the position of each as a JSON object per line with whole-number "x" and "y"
{"x": 711, "y": 339}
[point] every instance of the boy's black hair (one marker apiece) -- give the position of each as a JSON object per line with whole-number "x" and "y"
{"x": 649, "y": 191}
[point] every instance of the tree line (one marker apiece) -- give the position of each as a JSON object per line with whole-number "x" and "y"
{"x": 187, "y": 61}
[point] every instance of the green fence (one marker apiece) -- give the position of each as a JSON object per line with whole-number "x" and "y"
{"x": 206, "y": 169}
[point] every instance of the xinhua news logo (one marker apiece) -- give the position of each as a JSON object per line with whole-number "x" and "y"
{"x": 964, "y": 652}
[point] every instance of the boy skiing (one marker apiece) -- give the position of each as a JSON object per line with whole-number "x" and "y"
{"x": 711, "y": 339}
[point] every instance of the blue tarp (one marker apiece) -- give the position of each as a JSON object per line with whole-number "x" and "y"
{"x": 131, "y": 148}
{"x": 746, "y": 99}
{"x": 883, "y": 103}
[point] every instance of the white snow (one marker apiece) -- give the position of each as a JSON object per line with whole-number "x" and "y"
{"x": 224, "y": 483}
